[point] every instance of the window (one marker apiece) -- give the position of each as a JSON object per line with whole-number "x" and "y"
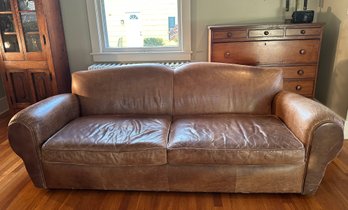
{"x": 137, "y": 30}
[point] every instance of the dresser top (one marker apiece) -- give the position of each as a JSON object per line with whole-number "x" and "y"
{"x": 269, "y": 25}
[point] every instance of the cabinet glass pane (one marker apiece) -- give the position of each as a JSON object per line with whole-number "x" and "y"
{"x": 29, "y": 22}
{"x": 26, "y": 4}
{"x": 6, "y": 23}
{"x": 5, "y": 5}
{"x": 10, "y": 43}
{"x": 32, "y": 42}
{"x": 8, "y": 34}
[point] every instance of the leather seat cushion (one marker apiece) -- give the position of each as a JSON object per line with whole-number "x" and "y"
{"x": 233, "y": 139}
{"x": 110, "y": 140}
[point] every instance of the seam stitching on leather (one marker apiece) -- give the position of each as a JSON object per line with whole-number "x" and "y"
{"x": 280, "y": 150}
{"x": 104, "y": 165}
{"x": 113, "y": 151}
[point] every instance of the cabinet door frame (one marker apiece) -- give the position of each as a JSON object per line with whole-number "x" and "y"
{"x": 14, "y": 56}
{"x": 29, "y": 85}
{"x": 33, "y": 85}
{"x": 23, "y": 54}
{"x": 10, "y": 84}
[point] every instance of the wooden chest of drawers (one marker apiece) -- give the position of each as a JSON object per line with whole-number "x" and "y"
{"x": 293, "y": 47}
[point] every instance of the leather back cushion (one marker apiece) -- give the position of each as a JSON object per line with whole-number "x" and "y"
{"x": 135, "y": 89}
{"x": 211, "y": 88}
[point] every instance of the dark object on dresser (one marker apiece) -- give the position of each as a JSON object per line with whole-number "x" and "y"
{"x": 303, "y": 16}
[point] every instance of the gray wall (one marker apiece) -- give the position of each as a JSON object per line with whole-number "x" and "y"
{"x": 75, "y": 21}
{"x": 332, "y": 88}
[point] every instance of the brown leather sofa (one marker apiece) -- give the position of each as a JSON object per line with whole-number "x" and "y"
{"x": 204, "y": 127}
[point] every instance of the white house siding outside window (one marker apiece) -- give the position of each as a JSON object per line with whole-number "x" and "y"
{"x": 136, "y": 30}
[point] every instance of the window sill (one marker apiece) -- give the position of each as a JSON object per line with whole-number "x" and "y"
{"x": 141, "y": 57}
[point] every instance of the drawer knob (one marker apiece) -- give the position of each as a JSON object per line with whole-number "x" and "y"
{"x": 229, "y": 34}
{"x": 302, "y": 51}
{"x": 298, "y": 87}
{"x": 266, "y": 33}
{"x": 227, "y": 54}
{"x": 303, "y": 31}
{"x": 300, "y": 72}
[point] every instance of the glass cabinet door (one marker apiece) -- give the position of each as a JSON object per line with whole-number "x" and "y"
{"x": 9, "y": 37}
{"x": 20, "y": 30}
{"x": 27, "y": 10}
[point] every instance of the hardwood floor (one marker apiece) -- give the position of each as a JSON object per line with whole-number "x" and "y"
{"x": 17, "y": 192}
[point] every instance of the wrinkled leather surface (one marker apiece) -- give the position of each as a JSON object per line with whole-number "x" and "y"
{"x": 326, "y": 144}
{"x": 31, "y": 127}
{"x": 303, "y": 115}
{"x": 233, "y": 139}
{"x": 47, "y": 116}
{"x": 136, "y": 89}
{"x": 210, "y": 88}
{"x": 110, "y": 140}
{"x": 320, "y": 130}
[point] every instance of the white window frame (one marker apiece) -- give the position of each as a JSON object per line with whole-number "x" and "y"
{"x": 102, "y": 54}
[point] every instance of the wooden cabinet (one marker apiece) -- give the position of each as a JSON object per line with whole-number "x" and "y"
{"x": 293, "y": 47}
{"x": 33, "y": 62}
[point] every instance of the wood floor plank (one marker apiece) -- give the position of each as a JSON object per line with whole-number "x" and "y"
{"x": 18, "y": 192}
{"x": 111, "y": 200}
{"x": 11, "y": 186}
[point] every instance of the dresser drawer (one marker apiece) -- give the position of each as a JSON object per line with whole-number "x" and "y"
{"x": 227, "y": 35}
{"x": 266, "y": 52}
{"x": 303, "y": 32}
{"x": 303, "y": 87}
{"x": 256, "y": 33}
{"x": 297, "y": 72}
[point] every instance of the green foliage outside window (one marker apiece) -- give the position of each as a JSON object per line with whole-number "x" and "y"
{"x": 153, "y": 42}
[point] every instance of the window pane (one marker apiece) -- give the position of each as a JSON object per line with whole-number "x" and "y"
{"x": 29, "y": 22}
{"x": 26, "y": 5}
{"x": 5, "y": 5}
{"x": 6, "y": 23}
{"x": 138, "y": 23}
{"x": 10, "y": 43}
{"x": 32, "y": 42}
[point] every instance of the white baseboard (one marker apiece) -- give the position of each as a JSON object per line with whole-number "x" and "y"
{"x": 3, "y": 105}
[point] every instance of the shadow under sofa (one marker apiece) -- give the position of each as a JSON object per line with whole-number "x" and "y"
{"x": 204, "y": 127}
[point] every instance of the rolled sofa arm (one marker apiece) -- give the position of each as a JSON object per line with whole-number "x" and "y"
{"x": 320, "y": 130}
{"x": 31, "y": 127}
